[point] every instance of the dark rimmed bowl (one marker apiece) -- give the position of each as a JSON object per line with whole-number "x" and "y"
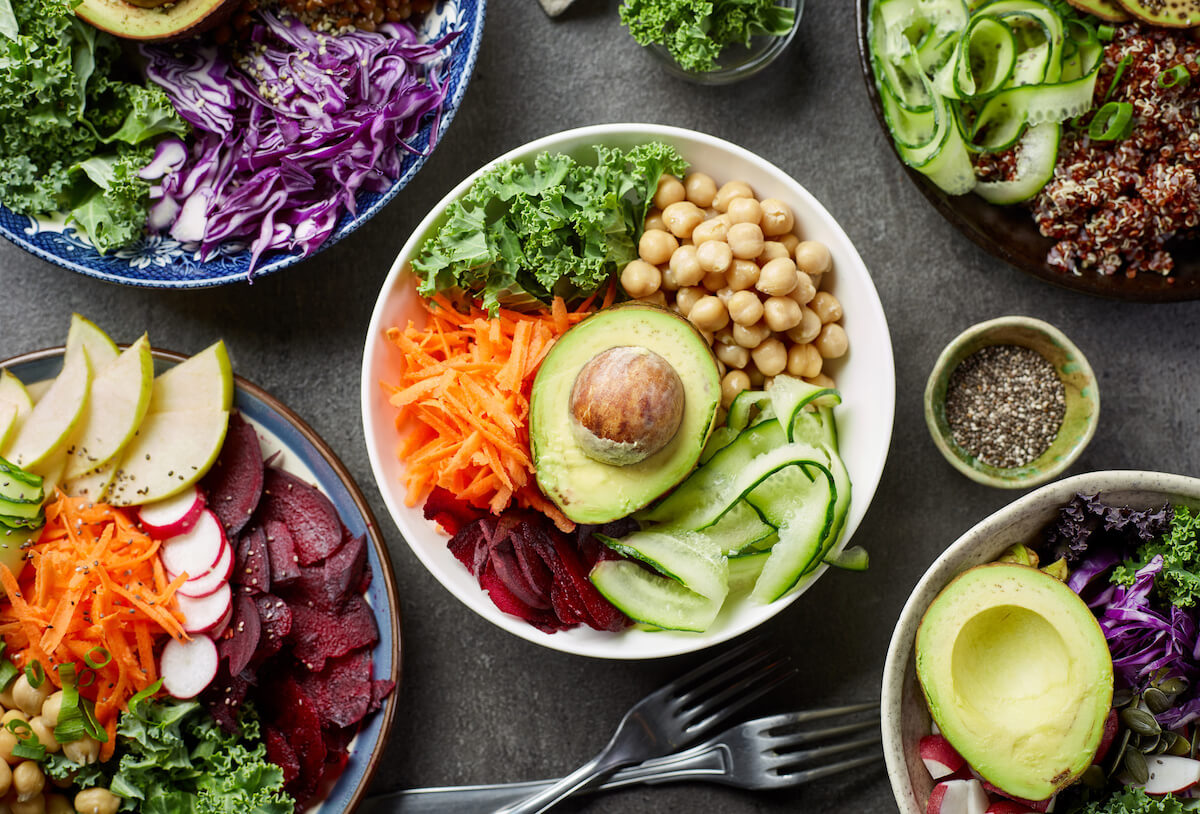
{"x": 1009, "y": 233}
{"x": 297, "y": 439}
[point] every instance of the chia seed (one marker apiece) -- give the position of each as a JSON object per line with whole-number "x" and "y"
{"x": 1004, "y": 405}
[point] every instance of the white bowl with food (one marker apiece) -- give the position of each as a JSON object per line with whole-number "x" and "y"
{"x": 864, "y": 375}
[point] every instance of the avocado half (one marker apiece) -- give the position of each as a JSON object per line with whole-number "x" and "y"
{"x": 1108, "y": 10}
{"x": 591, "y": 491}
{"x": 1018, "y": 677}
{"x": 170, "y": 21}
{"x": 1172, "y": 13}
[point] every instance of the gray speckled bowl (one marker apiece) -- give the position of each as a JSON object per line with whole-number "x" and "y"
{"x": 905, "y": 716}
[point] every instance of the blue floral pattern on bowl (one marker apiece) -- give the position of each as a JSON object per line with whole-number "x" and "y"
{"x": 158, "y": 261}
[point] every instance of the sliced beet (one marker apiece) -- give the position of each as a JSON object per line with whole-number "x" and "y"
{"x": 235, "y": 482}
{"x": 252, "y": 567}
{"x": 317, "y": 635}
{"x": 281, "y": 753}
{"x": 544, "y": 620}
{"x": 341, "y": 692}
{"x": 281, "y": 551}
{"x": 308, "y": 514}
{"x": 293, "y": 713}
{"x": 598, "y": 612}
{"x": 276, "y": 619}
{"x": 449, "y": 512}
{"x": 241, "y": 643}
{"x": 225, "y": 696}
{"x": 380, "y": 689}
{"x": 327, "y": 586}
{"x": 337, "y": 747}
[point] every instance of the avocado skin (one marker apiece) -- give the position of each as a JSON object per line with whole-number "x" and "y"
{"x": 1017, "y": 675}
{"x": 589, "y": 491}
{"x": 150, "y": 22}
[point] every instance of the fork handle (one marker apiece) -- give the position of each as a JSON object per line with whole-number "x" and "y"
{"x": 577, "y": 780}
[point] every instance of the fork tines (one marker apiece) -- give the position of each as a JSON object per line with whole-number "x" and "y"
{"x": 792, "y": 763}
{"x": 713, "y": 692}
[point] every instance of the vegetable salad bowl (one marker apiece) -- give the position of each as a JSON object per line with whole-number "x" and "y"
{"x": 865, "y": 376}
{"x": 160, "y": 261}
{"x": 905, "y": 715}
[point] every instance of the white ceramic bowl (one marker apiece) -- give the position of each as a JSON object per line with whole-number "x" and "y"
{"x": 905, "y": 715}
{"x": 865, "y": 376}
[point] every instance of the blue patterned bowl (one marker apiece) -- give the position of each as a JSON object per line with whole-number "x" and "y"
{"x": 158, "y": 261}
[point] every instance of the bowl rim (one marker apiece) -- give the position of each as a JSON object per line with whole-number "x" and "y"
{"x": 388, "y": 712}
{"x": 947, "y": 565}
{"x": 872, "y": 311}
{"x": 438, "y": 129}
{"x": 941, "y": 368}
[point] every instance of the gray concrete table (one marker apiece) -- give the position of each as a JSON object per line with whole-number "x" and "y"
{"x": 479, "y": 705}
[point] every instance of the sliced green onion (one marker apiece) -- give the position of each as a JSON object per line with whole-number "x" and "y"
{"x": 1118, "y": 72}
{"x": 1105, "y": 33}
{"x": 36, "y": 673}
{"x": 1112, "y": 122}
{"x": 70, "y": 719}
{"x": 138, "y": 698}
{"x": 87, "y": 678}
{"x": 20, "y": 728}
{"x": 1174, "y": 76}
{"x": 90, "y": 724}
{"x": 8, "y": 674}
{"x": 104, "y": 654}
{"x": 28, "y": 746}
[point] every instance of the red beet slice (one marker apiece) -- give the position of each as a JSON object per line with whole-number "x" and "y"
{"x": 341, "y": 693}
{"x": 225, "y": 697}
{"x": 328, "y": 585}
{"x": 276, "y": 619}
{"x": 281, "y": 551}
{"x": 294, "y": 714}
{"x": 544, "y": 620}
{"x": 235, "y": 482}
{"x": 281, "y": 753}
{"x": 317, "y": 636}
{"x": 449, "y": 512}
{"x": 337, "y": 748}
{"x": 599, "y": 613}
{"x": 380, "y": 689}
{"x": 252, "y": 568}
{"x": 308, "y": 514}
{"x": 241, "y": 645}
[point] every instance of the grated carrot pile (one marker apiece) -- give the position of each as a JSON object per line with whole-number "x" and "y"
{"x": 93, "y": 580}
{"x": 463, "y": 396}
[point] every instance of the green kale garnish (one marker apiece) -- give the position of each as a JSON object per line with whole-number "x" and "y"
{"x": 1179, "y": 580}
{"x": 695, "y": 32}
{"x": 1134, "y": 800}
{"x": 558, "y": 228}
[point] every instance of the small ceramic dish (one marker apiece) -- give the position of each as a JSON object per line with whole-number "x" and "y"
{"x": 905, "y": 714}
{"x": 1079, "y": 383}
{"x": 737, "y": 62}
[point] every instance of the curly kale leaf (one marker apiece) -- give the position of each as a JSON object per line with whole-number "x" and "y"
{"x": 1088, "y": 525}
{"x": 695, "y": 32}
{"x": 1179, "y": 580}
{"x": 1134, "y": 800}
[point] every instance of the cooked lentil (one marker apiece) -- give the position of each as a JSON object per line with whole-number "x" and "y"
{"x": 1004, "y": 405}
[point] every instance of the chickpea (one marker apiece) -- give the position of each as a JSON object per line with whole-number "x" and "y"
{"x": 827, "y": 307}
{"x": 28, "y": 698}
{"x": 97, "y": 801}
{"x": 657, "y": 298}
{"x": 750, "y": 336}
{"x": 52, "y": 705}
{"x": 790, "y": 241}
{"x": 45, "y": 734}
{"x": 777, "y": 277}
{"x": 685, "y": 298}
{"x": 818, "y": 279}
{"x": 6, "y": 777}
{"x": 700, "y": 188}
{"x": 653, "y": 221}
{"x": 713, "y": 281}
{"x": 745, "y": 240}
{"x": 770, "y": 357}
{"x": 28, "y": 780}
{"x": 34, "y": 805}
{"x": 744, "y": 210}
{"x": 686, "y": 265}
{"x": 721, "y": 371}
{"x": 712, "y": 229}
{"x": 8, "y": 742}
{"x": 782, "y": 313}
{"x": 832, "y": 342}
{"x": 724, "y": 294}
{"x": 58, "y": 804}
{"x": 773, "y": 250}
{"x": 733, "y": 355}
{"x": 682, "y": 217}
{"x": 657, "y": 246}
{"x": 745, "y": 308}
{"x": 724, "y": 336}
{"x": 13, "y": 715}
{"x": 670, "y": 190}
{"x": 803, "y": 361}
{"x": 714, "y": 256}
{"x": 729, "y": 191}
{"x": 807, "y": 330}
{"x": 638, "y": 278}
{"x": 804, "y": 290}
{"x": 709, "y": 314}
{"x": 742, "y": 274}
{"x": 84, "y": 751}
{"x": 777, "y": 218}
{"x": 821, "y": 380}
{"x": 757, "y": 379}
{"x": 813, "y": 257}
{"x": 734, "y": 382}
{"x": 6, "y": 698}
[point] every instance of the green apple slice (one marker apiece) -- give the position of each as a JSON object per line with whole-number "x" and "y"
{"x": 102, "y": 351}
{"x": 169, "y": 452}
{"x": 51, "y": 471}
{"x": 203, "y": 382}
{"x": 50, "y": 423}
{"x": 14, "y": 392}
{"x": 94, "y": 484}
{"x": 8, "y": 420}
{"x": 118, "y": 402}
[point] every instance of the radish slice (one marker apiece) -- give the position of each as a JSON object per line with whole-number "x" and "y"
{"x": 939, "y": 757}
{"x": 175, "y": 515}
{"x": 188, "y": 667}
{"x": 957, "y": 797}
{"x": 1170, "y": 773}
{"x": 204, "y": 613}
{"x": 204, "y": 584}
{"x": 197, "y": 550}
{"x": 1007, "y": 807}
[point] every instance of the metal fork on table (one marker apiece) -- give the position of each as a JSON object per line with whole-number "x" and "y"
{"x": 764, "y": 753}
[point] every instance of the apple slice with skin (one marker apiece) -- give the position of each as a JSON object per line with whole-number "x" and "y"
{"x": 8, "y": 420}
{"x": 102, "y": 351}
{"x": 1171, "y": 773}
{"x": 117, "y": 404}
{"x": 168, "y": 453}
{"x": 203, "y": 382}
{"x": 92, "y": 484}
{"x": 51, "y": 422}
{"x": 14, "y": 392}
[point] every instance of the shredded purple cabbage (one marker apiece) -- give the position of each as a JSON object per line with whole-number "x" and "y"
{"x": 1086, "y": 526}
{"x": 285, "y": 137}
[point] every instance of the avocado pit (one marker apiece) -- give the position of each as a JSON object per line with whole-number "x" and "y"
{"x": 626, "y": 404}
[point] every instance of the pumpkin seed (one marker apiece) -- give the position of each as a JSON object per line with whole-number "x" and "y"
{"x": 1140, "y": 721}
{"x": 1166, "y": 743}
{"x": 1174, "y": 685}
{"x": 1156, "y": 699}
{"x": 1146, "y": 744}
{"x": 1135, "y": 764}
{"x": 1122, "y": 697}
{"x": 1093, "y": 777}
{"x": 1119, "y": 751}
{"x": 1179, "y": 746}
{"x": 1195, "y": 742}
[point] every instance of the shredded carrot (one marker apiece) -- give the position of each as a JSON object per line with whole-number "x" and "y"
{"x": 463, "y": 399}
{"x": 92, "y": 580}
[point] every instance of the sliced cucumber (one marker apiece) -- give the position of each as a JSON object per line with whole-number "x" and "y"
{"x": 688, "y": 557}
{"x": 652, "y": 599}
{"x": 1037, "y": 155}
{"x": 789, "y": 396}
{"x": 852, "y": 559}
{"x": 799, "y": 501}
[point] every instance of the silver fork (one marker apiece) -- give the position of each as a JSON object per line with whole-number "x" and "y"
{"x": 679, "y": 713}
{"x": 764, "y": 753}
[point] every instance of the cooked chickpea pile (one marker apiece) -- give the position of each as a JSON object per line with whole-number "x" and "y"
{"x": 24, "y": 787}
{"x": 734, "y": 266}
